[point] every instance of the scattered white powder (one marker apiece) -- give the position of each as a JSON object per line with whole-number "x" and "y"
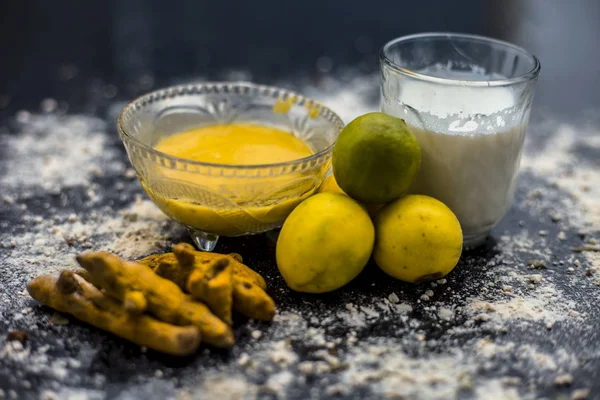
{"x": 393, "y": 298}
{"x": 593, "y": 258}
{"x": 39, "y": 362}
{"x": 140, "y": 230}
{"x": 224, "y": 387}
{"x": 527, "y": 308}
{"x": 300, "y": 348}
{"x": 497, "y": 390}
{"x": 256, "y": 334}
{"x": 281, "y": 354}
{"x": 48, "y": 246}
{"x": 580, "y": 394}
{"x": 558, "y": 161}
{"x": 277, "y": 384}
{"x": 54, "y": 151}
{"x": 78, "y": 394}
{"x": 446, "y": 314}
{"x": 393, "y": 374}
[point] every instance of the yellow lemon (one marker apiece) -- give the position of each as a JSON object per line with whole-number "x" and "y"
{"x": 418, "y": 239}
{"x": 330, "y": 185}
{"x": 324, "y": 243}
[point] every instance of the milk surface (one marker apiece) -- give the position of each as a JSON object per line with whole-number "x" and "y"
{"x": 471, "y": 141}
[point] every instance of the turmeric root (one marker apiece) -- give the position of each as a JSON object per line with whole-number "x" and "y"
{"x": 205, "y": 275}
{"x": 73, "y": 295}
{"x": 248, "y": 292}
{"x": 140, "y": 289}
{"x": 214, "y": 286}
{"x": 180, "y": 273}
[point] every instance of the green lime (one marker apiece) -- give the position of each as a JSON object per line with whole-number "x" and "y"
{"x": 376, "y": 158}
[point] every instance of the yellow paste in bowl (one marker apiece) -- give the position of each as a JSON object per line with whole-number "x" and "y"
{"x": 230, "y": 205}
{"x": 235, "y": 144}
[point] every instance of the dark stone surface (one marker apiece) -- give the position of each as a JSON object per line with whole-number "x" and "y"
{"x": 79, "y": 54}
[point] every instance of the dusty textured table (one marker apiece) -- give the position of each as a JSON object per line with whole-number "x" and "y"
{"x": 518, "y": 318}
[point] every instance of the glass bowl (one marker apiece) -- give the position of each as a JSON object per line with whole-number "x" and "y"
{"x": 214, "y": 200}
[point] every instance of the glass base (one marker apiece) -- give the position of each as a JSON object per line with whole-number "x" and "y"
{"x": 204, "y": 241}
{"x": 475, "y": 240}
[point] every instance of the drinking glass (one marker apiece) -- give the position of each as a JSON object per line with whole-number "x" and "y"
{"x": 467, "y": 99}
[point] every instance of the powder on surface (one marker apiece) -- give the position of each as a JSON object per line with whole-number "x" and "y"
{"x": 55, "y": 151}
{"x": 464, "y": 335}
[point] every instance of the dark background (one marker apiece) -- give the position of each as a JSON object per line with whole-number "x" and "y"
{"x": 89, "y": 53}
{"x": 69, "y": 50}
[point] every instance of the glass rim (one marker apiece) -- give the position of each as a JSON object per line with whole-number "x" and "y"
{"x": 527, "y": 76}
{"x": 188, "y": 89}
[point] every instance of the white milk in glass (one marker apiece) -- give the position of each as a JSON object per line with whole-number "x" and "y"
{"x": 470, "y": 146}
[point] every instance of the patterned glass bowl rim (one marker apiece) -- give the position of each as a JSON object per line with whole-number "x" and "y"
{"x": 239, "y": 88}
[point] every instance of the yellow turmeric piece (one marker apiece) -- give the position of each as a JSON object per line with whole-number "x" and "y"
{"x": 140, "y": 290}
{"x": 214, "y": 285}
{"x": 221, "y": 281}
{"x": 72, "y": 294}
